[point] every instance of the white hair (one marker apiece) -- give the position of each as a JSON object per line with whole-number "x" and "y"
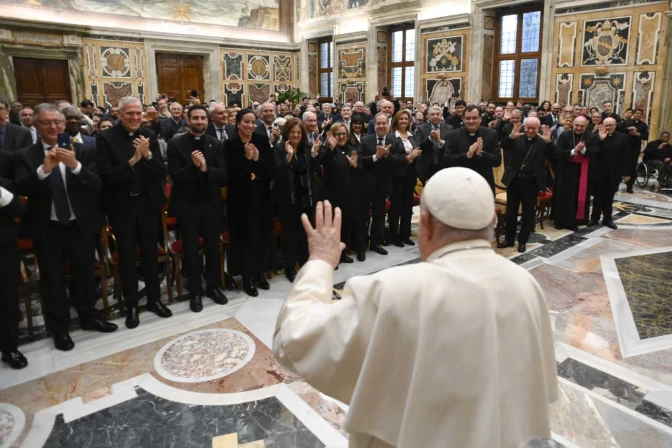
{"x": 437, "y": 108}
{"x": 178, "y": 104}
{"x": 213, "y": 106}
{"x": 308, "y": 114}
{"x": 127, "y": 101}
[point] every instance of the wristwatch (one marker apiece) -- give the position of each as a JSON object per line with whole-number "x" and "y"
{"x": 149, "y": 157}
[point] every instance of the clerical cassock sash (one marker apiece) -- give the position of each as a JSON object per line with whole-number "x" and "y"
{"x": 583, "y": 183}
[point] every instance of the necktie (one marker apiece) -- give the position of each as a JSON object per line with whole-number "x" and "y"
{"x": 380, "y": 142}
{"x": 269, "y": 130}
{"x": 222, "y": 134}
{"x": 58, "y": 194}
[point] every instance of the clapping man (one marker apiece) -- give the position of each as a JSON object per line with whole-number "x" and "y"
{"x": 432, "y": 135}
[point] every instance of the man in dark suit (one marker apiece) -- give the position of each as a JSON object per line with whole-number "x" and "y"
{"x": 266, "y": 127}
{"x": 386, "y": 107}
{"x": 219, "y": 126}
{"x": 608, "y": 112}
{"x": 637, "y": 131}
{"x": 134, "y": 179}
{"x": 524, "y": 178}
{"x": 456, "y": 120}
{"x": 10, "y": 209}
{"x": 63, "y": 187}
{"x": 196, "y": 167}
{"x": 552, "y": 119}
{"x": 613, "y": 165}
{"x": 380, "y": 155}
{"x": 473, "y": 146}
{"x": 432, "y": 135}
{"x": 171, "y": 126}
{"x": 12, "y": 136}
{"x": 73, "y": 126}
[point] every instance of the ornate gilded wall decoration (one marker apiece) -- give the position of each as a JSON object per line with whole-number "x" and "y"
{"x": 648, "y": 38}
{"x": 351, "y": 63}
{"x": 594, "y": 91}
{"x": 352, "y": 91}
{"x": 115, "y": 62}
{"x": 444, "y": 54}
{"x": 233, "y": 94}
{"x": 114, "y": 91}
{"x": 233, "y": 65}
{"x": 605, "y": 41}
{"x": 141, "y": 93}
{"x": 258, "y": 68}
{"x": 282, "y": 68}
{"x": 259, "y": 92}
{"x": 567, "y": 44}
{"x": 138, "y": 63}
{"x": 642, "y": 92}
{"x": 282, "y": 88}
{"x": 443, "y": 90}
{"x": 563, "y": 88}
{"x": 90, "y": 52}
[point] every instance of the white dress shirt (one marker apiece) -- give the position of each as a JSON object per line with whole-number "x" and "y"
{"x": 42, "y": 176}
{"x": 408, "y": 146}
{"x": 377, "y": 140}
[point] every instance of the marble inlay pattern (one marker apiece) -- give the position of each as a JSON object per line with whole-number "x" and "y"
{"x": 204, "y": 355}
{"x": 7, "y": 425}
{"x": 12, "y": 421}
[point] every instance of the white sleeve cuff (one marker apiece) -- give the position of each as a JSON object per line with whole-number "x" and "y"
{"x": 375, "y": 158}
{"x": 77, "y": 169}
{"x": 41, "y": 174}
{"x": 583, "y": 151}
{"x": 5, "y": 198}
{"x": 573, "y": 153}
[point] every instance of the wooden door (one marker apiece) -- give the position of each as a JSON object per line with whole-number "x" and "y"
{"x": 178, "y": 74}
{"x": 41, "y": 80}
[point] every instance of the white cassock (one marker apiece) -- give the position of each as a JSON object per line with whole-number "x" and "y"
{"x": 455, "y": 352}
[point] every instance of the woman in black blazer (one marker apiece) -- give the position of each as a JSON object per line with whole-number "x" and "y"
{"x": 356, "y": 130}
{"x": 405, "y": 179}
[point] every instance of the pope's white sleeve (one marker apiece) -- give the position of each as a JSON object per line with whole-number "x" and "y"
{"x": 325, "y": 341}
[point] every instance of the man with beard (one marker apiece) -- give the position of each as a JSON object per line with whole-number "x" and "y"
{"x": 524, "y": 178}
{"x": 474, "y": 146}
{"x": 571, "y": 197}
{"x": 638, "y": 131}
{"x": 608, "y": 112}
{"x": 196, "y": 167}
{"x": 488, "y": 115}
{"x": 658, "y": 155}
{"x": 613, "y": 164}
{"x": 73, "y": 126}
{"x": 552, "y": 119}
{"x": 456, "y": 120}
{"x": 432, "y": 135}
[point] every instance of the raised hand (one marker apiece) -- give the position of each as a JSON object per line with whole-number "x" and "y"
{"x": 195, "y": 159}
{"x": 382, "y": 151}
{"x": 662, "y": 145}
{"x": 515, "y": 132}
{"x": 50, "y": 161}
{"x": 352, "y": 158}
{"x": 324, "y": 241}
{"x": 249, "y": 150}
{"x": 492, "y": 124}
{"x": 435, "y": 135}
{"x": 67, "y": 156}
{"x": 507, "y": 116}
{"x": 603, "y": 132}
{"x": 275, "y": 134}
{"x": 314, "y": 151}
{"x": 142, "y": 144}
{"x": 472, "y": 150}
{"x": 331, "y": 140}
{"x": 580, "y": 147}
{"x": 546, "y": 134}
{"x": 136, "y": 157}
{"x": 289, "y": 150}
{"x": 479, "y": 148}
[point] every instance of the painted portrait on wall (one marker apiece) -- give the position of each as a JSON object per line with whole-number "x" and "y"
{"x": 444, "y": 54}
{"x": 605, "y": 41}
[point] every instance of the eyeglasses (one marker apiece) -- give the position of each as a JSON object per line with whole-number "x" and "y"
{"x": 2, "y": 109}
{"x": 340, "y": 134}
{"x": 50, "y": 122}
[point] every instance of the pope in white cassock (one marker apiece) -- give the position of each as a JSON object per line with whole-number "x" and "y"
{"x": 453, "y": 352}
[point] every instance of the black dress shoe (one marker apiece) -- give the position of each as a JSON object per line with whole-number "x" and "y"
{"x": 15, "y": 359}
{"x": 559, "y": 227}
{"x": 262, "y": 283}
{"x": 98, "y": 324}
{"x": 132, "y": 317}
{"x": 63, "y": 342}
{"x": 610, "y": 224}
{"x": 230, "y": 282}
{"x": 629, "y": 190}
{"x": 217, "y": 296}
{"x": 361, "y": 255}
{"x": 290, "y": 274}
{"x": 522, "y": 247}
{"x": 249, "y": 288}
{"x": 592, "y": 222}
{"x": 196, "y": 302}
{"x": 504, "y": 244}
{"x": 378, "y": 250}
{"x": 398, "y": 242}
{"x": 159, "y": 309}
{"x": 573, "y": 229}
{"x": 346, "y": 259}
{"x": 409, "y": 242}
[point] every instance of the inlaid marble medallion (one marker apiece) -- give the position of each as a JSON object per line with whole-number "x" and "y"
{"x": 12, "y": 421}
{"x": 204, "y": 355}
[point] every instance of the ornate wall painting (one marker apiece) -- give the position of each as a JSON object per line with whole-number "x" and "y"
{"x": 442, "y": 91}
{"x": 351, "y": 64}
{"x": 382, "y": 66}
{"x": 312, "y": 75}
{"x": 233, "y": 65}
{"x": 567, "y": 44}
{"x": 259, "y": 92}
{"x": 114, "y": 91}
{"x": 444, "y": 54}
{"x": 356, "y": 3}
{"x": 258, "y": 68}
{"x": 90, "y": 55}
{"x": 115, "y": 62}
{"x": 563, "y": 88}
{"x": 282, "y": 68}
{"x": 489, "y": 23}
{"x": 605, "y": 41}
{"x": 141, "y": 93}
{"x": 594, "y": 91}
{"x": 139, "y": 73}
{"x": 352, "y": 91}
{"x": 648, "y": 38}
{"x": 642, "y": 93}
{"x": 282, "y": 88}
{"x": 233, "y": 94}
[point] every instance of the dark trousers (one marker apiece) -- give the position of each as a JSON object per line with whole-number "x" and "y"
{"x": 137, "y": 226}
{"x": 633, "y": 155}
{"x": 63, "y": 243}
{"x": 9, "y": 306}
{"x": 603, "y": 202}
{"x": 201, "y": 219}
{"x": 401, "y": 206}
{"x": 374, "y": 202}
{"x": 521, "y": 191}
{"x": 294, "y": 240}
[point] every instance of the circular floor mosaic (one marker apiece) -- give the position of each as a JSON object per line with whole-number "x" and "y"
{"x": 12, "y": 421}
{"x": 204, "y": 355}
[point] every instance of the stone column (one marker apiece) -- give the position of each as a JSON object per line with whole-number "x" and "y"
{"x": 372, "y": 63}
{"x": 475, "y": 84}
{"x": 546, "y": 63}
{"x": 305, "y": 74}
{"x": 665, "y": 93}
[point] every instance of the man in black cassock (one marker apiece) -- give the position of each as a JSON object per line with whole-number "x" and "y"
{"x": 638, "y": 131}
{"x": 613, "y": 164}
{"x": 571, "y": 195}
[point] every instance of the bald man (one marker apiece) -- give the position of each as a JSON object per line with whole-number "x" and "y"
{"x": 613, "y": 166}
{"x": 386, "y": 107}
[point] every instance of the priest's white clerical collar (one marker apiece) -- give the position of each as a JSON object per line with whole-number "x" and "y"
{"x": 197, "y": 138}
{"x": 471, "y": 134}
{"x": 529, "y": 139}
{"x": 131, "y": 134}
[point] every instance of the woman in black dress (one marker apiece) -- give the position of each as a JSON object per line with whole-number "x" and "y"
{"x": 339, "y": 160}
{"x": 293, "y": 190}
{"x": 249, "y": 162}
{"x": 356, "y": 130}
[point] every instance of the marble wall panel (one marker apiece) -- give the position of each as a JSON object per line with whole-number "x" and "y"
{"x": 258, "y": 92}
{"x": 351, "y": 62}
{"x": 233, "y": 65}
{"x": 605, "y": 41}
{"x": 312, "y": 72}
{"x": 594, "y": 91}
{"x": 642, "y": 92}
{"x": 444, "y": 65}
{"x": 114, "y": 91}
{"x": 233, "y": 94}
{"x": 648, "y": 38}
{"x": 258, "y": 68}
{"x": 352, "y": 91}
{"x": 566, "y": 44}
{"x": 382, "y": 65}
{"x": 563, "y": 88}
{"x": 488, "y": 59}
{"x": 282, "y": 68}
{"x": 444, "y": 54}
{"x": 442, "y": 90}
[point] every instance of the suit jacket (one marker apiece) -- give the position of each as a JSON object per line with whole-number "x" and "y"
{"x": 653, "y": 153}
{"x": 548, "y": 120}
{"x": 183, "y": 173}
{"x": 115, "y": 149}
{"x": 614, "y": 159}
{"x": 431, "y": 153}
{"x": 228, "y": 128}
{"x": 17, "y": 137}
{"x": 261, "y": 130}
{"x": 379, "y": 173}
{"x": 516, "y": 155}
{"x": 457, "y": 146}
{"x": 83, "y": 190}
{"x": 170, "y": 128}
{"x": 404, "y": 169}
{"x": 90, "y": 141}
{"x": 635, "y": 140}
{"x": 8, "y": 226}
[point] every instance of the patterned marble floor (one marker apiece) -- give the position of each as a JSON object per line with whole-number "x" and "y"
{"x": 211, "y": 380}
